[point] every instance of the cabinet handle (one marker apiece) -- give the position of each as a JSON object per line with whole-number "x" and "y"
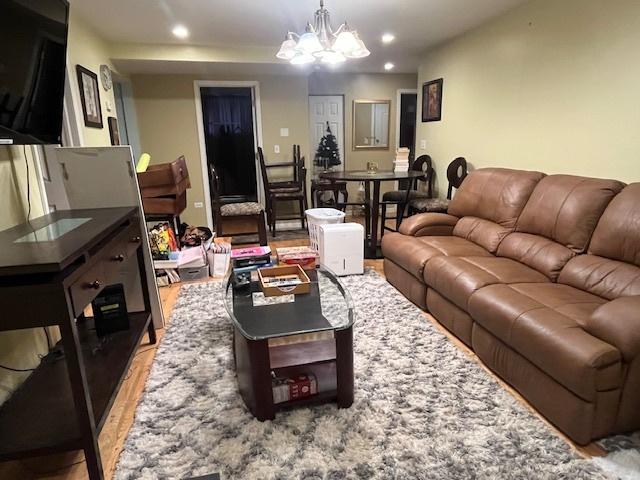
{"x": 135, "y": 239}
{"x": 118, "y": 258}
{"x": 95, "y": 285}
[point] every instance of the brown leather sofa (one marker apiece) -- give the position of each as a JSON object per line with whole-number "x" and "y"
{"x": 540, "y": 276}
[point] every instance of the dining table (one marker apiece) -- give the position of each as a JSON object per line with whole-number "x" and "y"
{"x": 371, "y": 198}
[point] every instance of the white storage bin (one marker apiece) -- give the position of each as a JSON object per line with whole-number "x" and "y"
{"x": 321, "y": 216}
{"x": 342, "y": 248}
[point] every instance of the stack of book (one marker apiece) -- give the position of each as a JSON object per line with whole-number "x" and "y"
{"x": 252, "y": 258}
{"x": 401, "y": 162}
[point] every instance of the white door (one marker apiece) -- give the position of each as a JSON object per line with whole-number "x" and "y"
{"x": 323, "y": 109}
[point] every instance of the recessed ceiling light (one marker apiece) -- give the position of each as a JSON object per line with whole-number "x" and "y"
{"x": 388, "y": 38}
{"x": 389, "y": 66}
{"x": 180, "y": 31}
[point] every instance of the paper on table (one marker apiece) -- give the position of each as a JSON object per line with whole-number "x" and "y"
{"x": 259, "y": 300}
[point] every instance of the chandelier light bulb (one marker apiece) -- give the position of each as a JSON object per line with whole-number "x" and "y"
{"x": 302, "y": 59}
{"x": 309, "y": 43}
{"x": 287, "y": 49}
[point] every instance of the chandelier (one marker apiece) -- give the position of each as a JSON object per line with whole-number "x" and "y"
{"x": 320, "y": 43}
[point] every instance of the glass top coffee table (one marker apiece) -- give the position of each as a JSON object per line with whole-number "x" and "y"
{"x": 292, "y": 350}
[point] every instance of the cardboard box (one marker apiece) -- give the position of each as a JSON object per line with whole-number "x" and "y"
{"x": 304, "y": 287}
{"x": 165, "y": 179}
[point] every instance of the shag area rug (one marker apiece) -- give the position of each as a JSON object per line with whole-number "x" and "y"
{"x": 422, "y": 410}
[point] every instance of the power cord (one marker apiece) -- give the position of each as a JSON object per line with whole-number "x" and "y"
{"x": 22, "y": 370}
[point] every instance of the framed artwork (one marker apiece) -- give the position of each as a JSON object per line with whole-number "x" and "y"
{"x": 432, "y": 101}
{"x": 90, "y": 97}
{"x": 114, "y": 134}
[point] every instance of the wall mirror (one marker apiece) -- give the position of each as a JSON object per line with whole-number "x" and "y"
{"x": 371, "y": 124}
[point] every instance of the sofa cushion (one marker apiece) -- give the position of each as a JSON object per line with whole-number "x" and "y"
{"x": 566, "y": 208}
{"x": 606, "y": 278}
{"x": 412, "y": 253}
{"x": 457, "y": 278}
{"x": 483, "y": 232}
{"x": 540, "y": 322}
{"x": 617, "y": 235}
{"x": 612, "y": 267}
{"x": 492, "y": 199}
{"x": 544, "y": 255}
{"x": 495, "y": 194}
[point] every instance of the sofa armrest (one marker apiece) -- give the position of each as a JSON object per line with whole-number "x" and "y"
{"x": 618, "y": 324}
{"x": 425, "y": 224}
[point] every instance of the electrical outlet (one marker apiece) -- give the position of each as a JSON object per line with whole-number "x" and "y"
{"x": 284, "y": 132}
{"x": 276, "y": 149}
{"x": 423, "y": 144}
{"x": 198, "y": 204}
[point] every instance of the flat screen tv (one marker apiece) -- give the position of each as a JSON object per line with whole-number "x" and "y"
{"x": 33, "y": 52}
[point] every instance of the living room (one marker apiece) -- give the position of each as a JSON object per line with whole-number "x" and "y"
{"x": 253, "y": 240}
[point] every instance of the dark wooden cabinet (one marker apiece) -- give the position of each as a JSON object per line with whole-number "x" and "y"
{"x": 64, "y": 403}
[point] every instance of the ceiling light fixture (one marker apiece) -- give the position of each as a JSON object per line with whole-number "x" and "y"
{"x": 180, "y": 31}
{"x": 389, "y": 66}
{"x": 320, "y": 43}
{"x": 388, "y": 38}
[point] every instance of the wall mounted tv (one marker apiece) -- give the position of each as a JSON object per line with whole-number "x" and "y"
{"x": 33, "y": 57}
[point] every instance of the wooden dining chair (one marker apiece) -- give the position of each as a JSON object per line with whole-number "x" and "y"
{"x": 275, "y": 192}
{"x": 401, "y": 198}
{"x": 456, "y": 173}
{"x": 233, "y": 211}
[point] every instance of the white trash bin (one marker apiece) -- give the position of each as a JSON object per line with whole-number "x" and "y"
{"x": 321, "y": 216}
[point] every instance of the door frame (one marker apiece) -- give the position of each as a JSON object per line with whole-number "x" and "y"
{"x": 257, "y": 134}
{"x": 399, "y": 93}
{"x": 312, "y": 147}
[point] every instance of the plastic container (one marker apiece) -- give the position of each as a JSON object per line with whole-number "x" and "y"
{"x": 321, "y": 216}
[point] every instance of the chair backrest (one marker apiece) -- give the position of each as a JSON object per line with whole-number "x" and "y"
{"x": 456, "y": 173}
{"x": 263, "y": 170}
{"x": 214, "y": 188}
{"x": 424, "y": 164}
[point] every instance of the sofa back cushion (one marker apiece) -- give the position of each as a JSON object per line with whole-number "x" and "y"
{"x": 612, "y": 267}
{"x": 558, "y": 220}
{"x": 489, "y": 202}
{"x": 566, "y": 209}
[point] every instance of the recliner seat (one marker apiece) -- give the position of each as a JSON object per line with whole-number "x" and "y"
{"x": 553, "y": 257}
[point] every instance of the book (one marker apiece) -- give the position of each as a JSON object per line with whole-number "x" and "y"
{"x": 250, "y": 252}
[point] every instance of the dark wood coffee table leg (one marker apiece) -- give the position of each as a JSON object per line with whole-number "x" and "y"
{"x": 344, "y": 366}
{"x": 254, "y": 376}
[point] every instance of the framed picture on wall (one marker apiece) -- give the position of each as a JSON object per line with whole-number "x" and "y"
{"x": 114, "y": 133}
{"x": 432, "y": 101}
{"x": 90, "y": 97}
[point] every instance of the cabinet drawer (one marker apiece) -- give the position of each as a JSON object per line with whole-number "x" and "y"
{"x": 85, "y": 289}
{"x": 120, "y": 250}
{"x": 105, "y": 271}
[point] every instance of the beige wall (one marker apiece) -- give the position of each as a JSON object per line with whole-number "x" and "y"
{"x": 89, "y": 50}
{"x": 353, "y": 86}
{"x": 166, "y": 109}
{"x": 550, "y": 86}
{"x": 21, "y": 348}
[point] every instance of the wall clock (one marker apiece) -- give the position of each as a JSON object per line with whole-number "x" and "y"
{"x": 105, "y": 77}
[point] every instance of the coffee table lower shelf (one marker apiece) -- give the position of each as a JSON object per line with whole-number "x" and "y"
{"x": 331, "y": 361}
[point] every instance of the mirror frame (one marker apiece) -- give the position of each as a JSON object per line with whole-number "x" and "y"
{"x": 353, "y": 126}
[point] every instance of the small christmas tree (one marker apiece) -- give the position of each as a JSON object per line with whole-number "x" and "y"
{"x": 328, "y": 153}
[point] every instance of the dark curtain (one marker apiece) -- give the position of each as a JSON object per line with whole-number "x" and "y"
{"x": 228, "y": 125}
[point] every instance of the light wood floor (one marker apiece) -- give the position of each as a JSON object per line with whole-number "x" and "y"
{"x": 71, "y": 466}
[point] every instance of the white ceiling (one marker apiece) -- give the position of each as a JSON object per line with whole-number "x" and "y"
{"x": 417, "y": 24}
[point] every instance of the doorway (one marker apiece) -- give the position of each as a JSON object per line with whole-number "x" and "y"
{"x": 229, "y": 130}
{"x": 227, "y": 116}
{"x": 326, "y": 110}
{"x": 406, "y": 112}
